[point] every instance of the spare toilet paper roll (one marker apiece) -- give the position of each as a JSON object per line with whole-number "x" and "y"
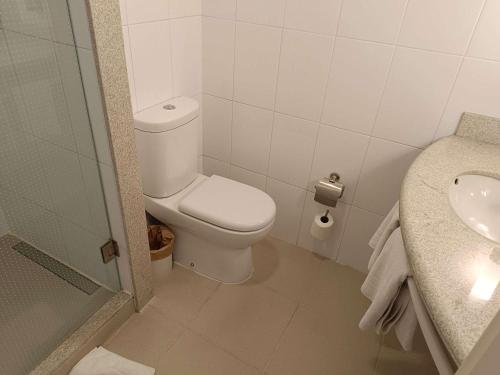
{"x": 322, "y": 226}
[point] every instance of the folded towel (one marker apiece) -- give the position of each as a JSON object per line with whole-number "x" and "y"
{"x": 102, "y": 362}
{"x": 386, "y": 284}
{"x": 380, "y": 237}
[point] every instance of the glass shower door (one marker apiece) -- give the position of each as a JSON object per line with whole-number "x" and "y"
{"x": 53, "y": 216}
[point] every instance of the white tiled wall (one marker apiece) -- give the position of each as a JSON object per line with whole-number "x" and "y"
{"x": 50, "y": 189}
{"x": 296, "y": 89}
{"x": 163, "y": 49}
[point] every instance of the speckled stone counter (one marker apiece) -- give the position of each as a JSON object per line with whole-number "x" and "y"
{"x": 447, "y": 258}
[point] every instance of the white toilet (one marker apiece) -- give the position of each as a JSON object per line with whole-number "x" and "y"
{"x": 215, "y": 219}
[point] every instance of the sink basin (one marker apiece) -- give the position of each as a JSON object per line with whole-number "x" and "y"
{"x": 476, "y": 200}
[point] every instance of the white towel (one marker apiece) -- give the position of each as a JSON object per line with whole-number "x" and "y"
{"x": 103, "y": 362}
{"x": 386, "y": 284}
{"x": 380, "y": 237}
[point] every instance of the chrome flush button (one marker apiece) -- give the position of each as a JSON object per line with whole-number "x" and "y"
{"x": 169, "y": 107}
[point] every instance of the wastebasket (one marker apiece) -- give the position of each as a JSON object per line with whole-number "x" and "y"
{"x": 161, "y": 245}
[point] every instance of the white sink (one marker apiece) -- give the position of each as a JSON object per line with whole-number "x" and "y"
{"x": 476, "y": 200}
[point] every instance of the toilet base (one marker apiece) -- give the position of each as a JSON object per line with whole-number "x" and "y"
{"x": 227, "y": 265}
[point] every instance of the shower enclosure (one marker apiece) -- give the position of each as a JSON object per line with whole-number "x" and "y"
{"x": 53, "y": 217}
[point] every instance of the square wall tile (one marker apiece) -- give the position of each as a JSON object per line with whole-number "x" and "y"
{"x": 79, "y": 23}
{"x": 303, "y": 73}
{"x": 360, "y": 227}
{"x": 217, "y": 119}
{"x": 95, "y": 106}
{"x": 218, "y": 57}
{"x": 123, "y": 11}
{"x": 358, "y": 74}
{"x": 342, "y": 152}
{"x": 114, "y": 211}
{"x": 66, "y": 184}
{"x": 34, "y": 224}
{"x": 60, "y": 21}
{"x": 84, "y": 254}
{"x": 219, "y": 8}
{"x": 248, "y": 177}
{"x": 317, "y": 16}
{"x": 130, "y": 68}
{"x": 184, "y": 8}
{"x": 289, "y": 206}
{"x": 22, "y": 169}
{"x": 444, "y": 26}
{"x": 487, "y": 33}
{"x": 384, "y": 169}
{"x": 95, "y": 196}
{"x": 265, "y": 12}
{"x": 292, "y": 149}
{"x": 476, "y": 90}
{"x": 42, "y": 88}
{"x": 152, "y": 65}
{"x": 4, "y": 227}
{"x": 213, "y": 166}
{"x": 251, "y": 137}
{"x": 186, "y": 55}
{"x": 415, "y": 96}
{"x": 69, "y": 70}
{"x": 256, "y": 64}
{"x": 377, "y": 20}
{"x": 329, "y": 247}
{"x": 154, "y": 11}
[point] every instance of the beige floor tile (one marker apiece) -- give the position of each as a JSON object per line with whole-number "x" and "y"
{"x": 336, "y": 288}
{"x": 285, "y": 268}
{"x": 324, "y": 345}
{"x": 393, "y": 360}
{"x": 145, "y": 337}
{"x": 245, "y": 320}
{"x": 182, "y": 294}
{"x": 194, "y": 355}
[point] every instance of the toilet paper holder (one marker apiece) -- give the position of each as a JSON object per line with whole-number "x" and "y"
{"x": 329, "y": 190}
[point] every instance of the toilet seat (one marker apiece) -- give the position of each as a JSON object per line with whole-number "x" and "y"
{"x": 229, "y": 204}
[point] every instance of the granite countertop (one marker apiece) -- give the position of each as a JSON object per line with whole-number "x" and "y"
{"x": 446, "y": 257}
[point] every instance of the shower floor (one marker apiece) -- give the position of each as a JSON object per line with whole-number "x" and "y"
{"x": 41, "y": 302}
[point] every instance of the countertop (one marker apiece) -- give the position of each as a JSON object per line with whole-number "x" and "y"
{"x": 446, "y": 257}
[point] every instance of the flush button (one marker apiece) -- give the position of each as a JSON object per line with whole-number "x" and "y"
{"x": 169, "y": 107}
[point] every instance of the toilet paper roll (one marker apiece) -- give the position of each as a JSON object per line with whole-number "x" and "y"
{"x": 322, "y": 226}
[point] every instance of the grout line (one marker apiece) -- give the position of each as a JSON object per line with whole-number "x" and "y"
{"x": 453, "y": 86}
{"x": 388, "y": 74}
{"x": 317, "y": 122}
{"x": 280, "y": 339}
{"x": 233, "y": 90}
{"x": 129, "y": 42}
{"x": 395, "y": 43}
{"x": 318, "y": 129}
{"x": 161, "y": 20}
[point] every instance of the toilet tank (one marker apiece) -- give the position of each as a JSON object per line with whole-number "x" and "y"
{"x": 167, "y": 138}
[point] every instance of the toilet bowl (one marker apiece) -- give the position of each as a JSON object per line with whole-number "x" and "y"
{"x": 215, "y": 219}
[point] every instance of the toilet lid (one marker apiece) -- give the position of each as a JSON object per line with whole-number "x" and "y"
{"x": 230, "y": 205}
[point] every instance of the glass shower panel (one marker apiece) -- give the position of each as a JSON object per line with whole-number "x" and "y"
{"x": 53, "y": 216}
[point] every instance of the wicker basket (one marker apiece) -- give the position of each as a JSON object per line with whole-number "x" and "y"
{"x": 161, "y": 242}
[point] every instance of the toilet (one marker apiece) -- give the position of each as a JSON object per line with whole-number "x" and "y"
{"x": 215, "y": 219}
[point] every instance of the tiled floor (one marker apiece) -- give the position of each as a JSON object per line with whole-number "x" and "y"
{"x": 298, "y": 315}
